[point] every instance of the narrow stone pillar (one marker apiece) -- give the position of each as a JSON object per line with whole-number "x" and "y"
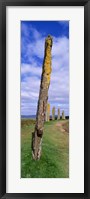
{"x": 48, "y": 113}
{"x": 53, "y": 113}
{"x": 63, "y": 115}
{"x": 42, "y": 102}
{"x": 58, "y": 117}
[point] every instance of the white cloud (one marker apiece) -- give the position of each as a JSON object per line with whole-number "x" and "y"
{"x": 36, "y": 48}
{"x": 31, "y": 68}
{"x": 60, "y": 46}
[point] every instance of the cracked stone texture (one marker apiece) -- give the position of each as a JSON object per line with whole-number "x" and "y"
{"x": 42, "y": 101}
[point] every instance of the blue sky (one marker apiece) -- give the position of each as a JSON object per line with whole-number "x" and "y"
{"x": 33, "y": 34}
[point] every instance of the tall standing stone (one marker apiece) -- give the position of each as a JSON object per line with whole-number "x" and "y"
{"x": 63, "y": 115}
{"x": 58, "y": 117}
{"x": 42, "y": 102}
{"x": 53, "y": 113}
{"x": 48, "y": 113}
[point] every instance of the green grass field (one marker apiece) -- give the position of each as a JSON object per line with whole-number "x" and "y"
{"x": 54, "y": 162}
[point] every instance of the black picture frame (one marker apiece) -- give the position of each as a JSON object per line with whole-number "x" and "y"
{"x": 3, "y": 5}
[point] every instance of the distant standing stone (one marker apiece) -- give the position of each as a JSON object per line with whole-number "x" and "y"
{"x": 63, "y": 115}
{"x": 48, "y": 113}
{"x": 58, "y": 114}
{"x": 53, "y": 113}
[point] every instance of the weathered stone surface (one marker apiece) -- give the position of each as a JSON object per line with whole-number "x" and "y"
{"x": 48, "y": 113}
{"x": 53, "y": 113}
{"x": 42, "y": 102}
{"x": 63, "y": 115}
{"x": 58, "y": 117}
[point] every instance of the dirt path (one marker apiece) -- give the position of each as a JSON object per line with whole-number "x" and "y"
{"x": 64, "y": 126}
